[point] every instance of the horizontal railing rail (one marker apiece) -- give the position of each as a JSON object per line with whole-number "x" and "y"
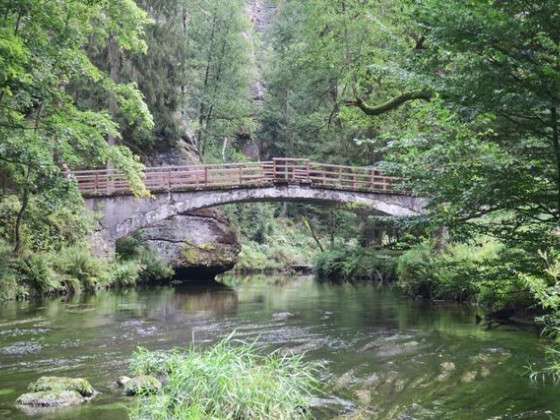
{"x": 107, "y": 182}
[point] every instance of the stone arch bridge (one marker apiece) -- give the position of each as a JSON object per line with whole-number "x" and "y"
{"x": 181, "y": 189}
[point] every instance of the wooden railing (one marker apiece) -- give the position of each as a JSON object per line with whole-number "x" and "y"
{"x": 279, "y": 171}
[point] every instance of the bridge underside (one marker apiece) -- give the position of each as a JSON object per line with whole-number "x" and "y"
{"x": 123, "y": 215}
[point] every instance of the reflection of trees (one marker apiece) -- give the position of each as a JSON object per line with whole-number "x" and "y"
{"x": 235, "y": 280}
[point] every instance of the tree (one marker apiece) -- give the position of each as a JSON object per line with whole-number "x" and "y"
{"x": 44, "y": 128}
{"x": 490, "y": 146}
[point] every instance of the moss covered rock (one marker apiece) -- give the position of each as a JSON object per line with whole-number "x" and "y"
{"x": 142, "y": 385}
{"x": 199, "y": 243}
{"x": 55, "y": 383}
{"x": 48, "y": 399}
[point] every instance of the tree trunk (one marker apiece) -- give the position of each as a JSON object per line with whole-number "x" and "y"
{"x": 113, "y": 57}
{"x": 313, "y": 234}
{"x": 556, "y": 147}
{"x": 21, "y": 213}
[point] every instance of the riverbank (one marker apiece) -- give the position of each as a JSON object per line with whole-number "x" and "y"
{"x": 479, "y": 275}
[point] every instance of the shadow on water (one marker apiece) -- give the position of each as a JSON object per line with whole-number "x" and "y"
{"x": 386, "y": 357}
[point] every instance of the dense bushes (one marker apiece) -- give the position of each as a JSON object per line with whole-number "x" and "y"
{"x": 487, "y": 273}
{"x": 356, "y": 264}
{"x": 225, "y": 382}
{"x": 73, "y": 269}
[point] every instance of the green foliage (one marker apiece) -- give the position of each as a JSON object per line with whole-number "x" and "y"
{"x": 269, "y": 242}
{"x": 46, "y": 124}
{"x": 351, "y": 264}
{"x": 73, "y": 270}
{"x": 545, "y": 286}
{"x": 125, "y": 273}
{"x": 323, "y": 53}
{"x": 36, "y": 272}
{"x": 487, "y": 150}
{"x": 485, "y": 272}
{"x": 77, "y": 263}
{"x": 10, "y": 287}
{"x": 228, "y": 381}
{"x": 149, "y": 266}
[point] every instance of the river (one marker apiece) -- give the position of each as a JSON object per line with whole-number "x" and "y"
{"x": 385, "y": 356}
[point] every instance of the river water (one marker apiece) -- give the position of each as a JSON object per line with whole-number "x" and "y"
{"x": 385, "y": 356}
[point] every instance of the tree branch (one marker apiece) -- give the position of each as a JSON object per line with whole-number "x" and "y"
{"x": 391, "y": 104}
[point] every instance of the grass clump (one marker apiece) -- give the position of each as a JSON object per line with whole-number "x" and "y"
{"x": 226, "y": 381}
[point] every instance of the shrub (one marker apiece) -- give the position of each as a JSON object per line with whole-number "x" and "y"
{"x": 415, "y": 271}
{"x": 125, "y": 273}
{"x": 151, "y": 267}
{"x": 486, "y": 273}
{"x": 226, "y": 382}
{"x": 78, "y": 263}
{"x": 36, "y": 272}
{"x": 356, "y": 264}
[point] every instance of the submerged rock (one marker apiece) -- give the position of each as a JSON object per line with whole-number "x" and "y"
{"x": 447, "y": 366}
{"x": 364, "y": 396}
{"x": 484, "y": 372}
{"x": 345, "y": 380}
{"x": 469, "y": 377}
{"x": 141, "y": 385}
{"x": 53, "y": 391}
{"x": 446, "y": 369}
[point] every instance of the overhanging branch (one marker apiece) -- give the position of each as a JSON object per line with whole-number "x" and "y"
{"x": 391, "y": 104}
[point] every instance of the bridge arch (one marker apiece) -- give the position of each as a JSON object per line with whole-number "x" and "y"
{"x": 123, "y": 215}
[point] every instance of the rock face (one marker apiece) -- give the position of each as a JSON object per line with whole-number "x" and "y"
{"x": 197, "y": 243}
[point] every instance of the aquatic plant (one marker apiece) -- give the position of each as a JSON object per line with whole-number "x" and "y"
{"x": 230, "y": 380}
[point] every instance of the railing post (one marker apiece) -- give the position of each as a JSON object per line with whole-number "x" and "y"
{"x": 340, "y": 182}
{"x": 96, "y": 186}
{"x": 240, "y": 175}
{"x": 307, "y": 172}
{"x": 205, "y": 176}
{"x": 353, "y": 180}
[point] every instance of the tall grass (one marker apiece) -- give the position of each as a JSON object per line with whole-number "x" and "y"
{"x": 227, "y": 381}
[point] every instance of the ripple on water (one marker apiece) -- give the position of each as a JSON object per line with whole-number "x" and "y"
{"x": 18, "y": 332}
{"x": 21, "y": 348}
{"x": 21, "y": 321}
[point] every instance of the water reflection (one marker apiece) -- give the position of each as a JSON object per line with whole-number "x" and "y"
{"x": 386, "y": 357}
